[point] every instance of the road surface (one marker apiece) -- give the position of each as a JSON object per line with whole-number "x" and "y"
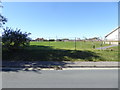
{"x": 83, "y": 78}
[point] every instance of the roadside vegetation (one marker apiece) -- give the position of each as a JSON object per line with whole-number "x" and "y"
{"x": 70, "y": 45}
{"x": 14, "y": 39}
{"x": 62, "y": 51}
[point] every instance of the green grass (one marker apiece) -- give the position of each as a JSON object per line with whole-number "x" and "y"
{"x": 107, "y": 55}
{"x": 62, "y": 51}
{"x": 70, "y": 45}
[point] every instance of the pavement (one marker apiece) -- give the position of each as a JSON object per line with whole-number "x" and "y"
{"x": 107, "y": 47}
{"x": 72, "y": 75}
{"x": 57, "y": 65}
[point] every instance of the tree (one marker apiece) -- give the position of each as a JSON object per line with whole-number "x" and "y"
{"x": 3, "y": 20}
{"x": 14, "y": 39}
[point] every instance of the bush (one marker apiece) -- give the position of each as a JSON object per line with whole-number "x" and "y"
{"x": 14, "y": 39}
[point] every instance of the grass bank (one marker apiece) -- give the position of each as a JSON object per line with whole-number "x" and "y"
{"x": 61, "y": 51}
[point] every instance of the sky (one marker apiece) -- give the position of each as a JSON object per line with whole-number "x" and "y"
{"x": 62, "y": 19}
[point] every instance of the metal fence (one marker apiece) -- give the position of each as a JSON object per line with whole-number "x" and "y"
{"x": 70, "y": 43}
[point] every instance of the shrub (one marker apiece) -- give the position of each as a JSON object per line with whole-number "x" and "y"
{"x": 14, "y": 39}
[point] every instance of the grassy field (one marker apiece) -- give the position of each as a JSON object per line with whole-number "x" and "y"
{"x": 70, "y": 45}
{"x": 62, "y": 51}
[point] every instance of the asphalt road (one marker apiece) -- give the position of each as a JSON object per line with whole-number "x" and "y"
{"x": 91, "y": 78}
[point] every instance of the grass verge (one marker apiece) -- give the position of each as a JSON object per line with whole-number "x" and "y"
{"x": 40, "y": 51}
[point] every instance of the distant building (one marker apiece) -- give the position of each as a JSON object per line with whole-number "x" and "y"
{"x": 94, "y": 39}
{"x": 65, "y": 39}
{"x": 112, "y": 37}
{"x": 39, "y": 39}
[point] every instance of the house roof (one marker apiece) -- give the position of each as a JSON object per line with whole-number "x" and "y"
{"x": 112, "y": 31}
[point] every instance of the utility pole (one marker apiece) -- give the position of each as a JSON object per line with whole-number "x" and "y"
{"x": 75, "y": 43}
{"x": 49, "y": 41}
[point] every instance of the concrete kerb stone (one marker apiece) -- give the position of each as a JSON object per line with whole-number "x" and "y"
{"x": 61, "y": 68}
{"x": 39, "y": 69}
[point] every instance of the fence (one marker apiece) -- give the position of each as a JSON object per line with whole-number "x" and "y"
{"x": 68, "y": 43}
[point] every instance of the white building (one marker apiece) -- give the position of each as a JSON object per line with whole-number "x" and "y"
{"x": 113, "y": 37}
